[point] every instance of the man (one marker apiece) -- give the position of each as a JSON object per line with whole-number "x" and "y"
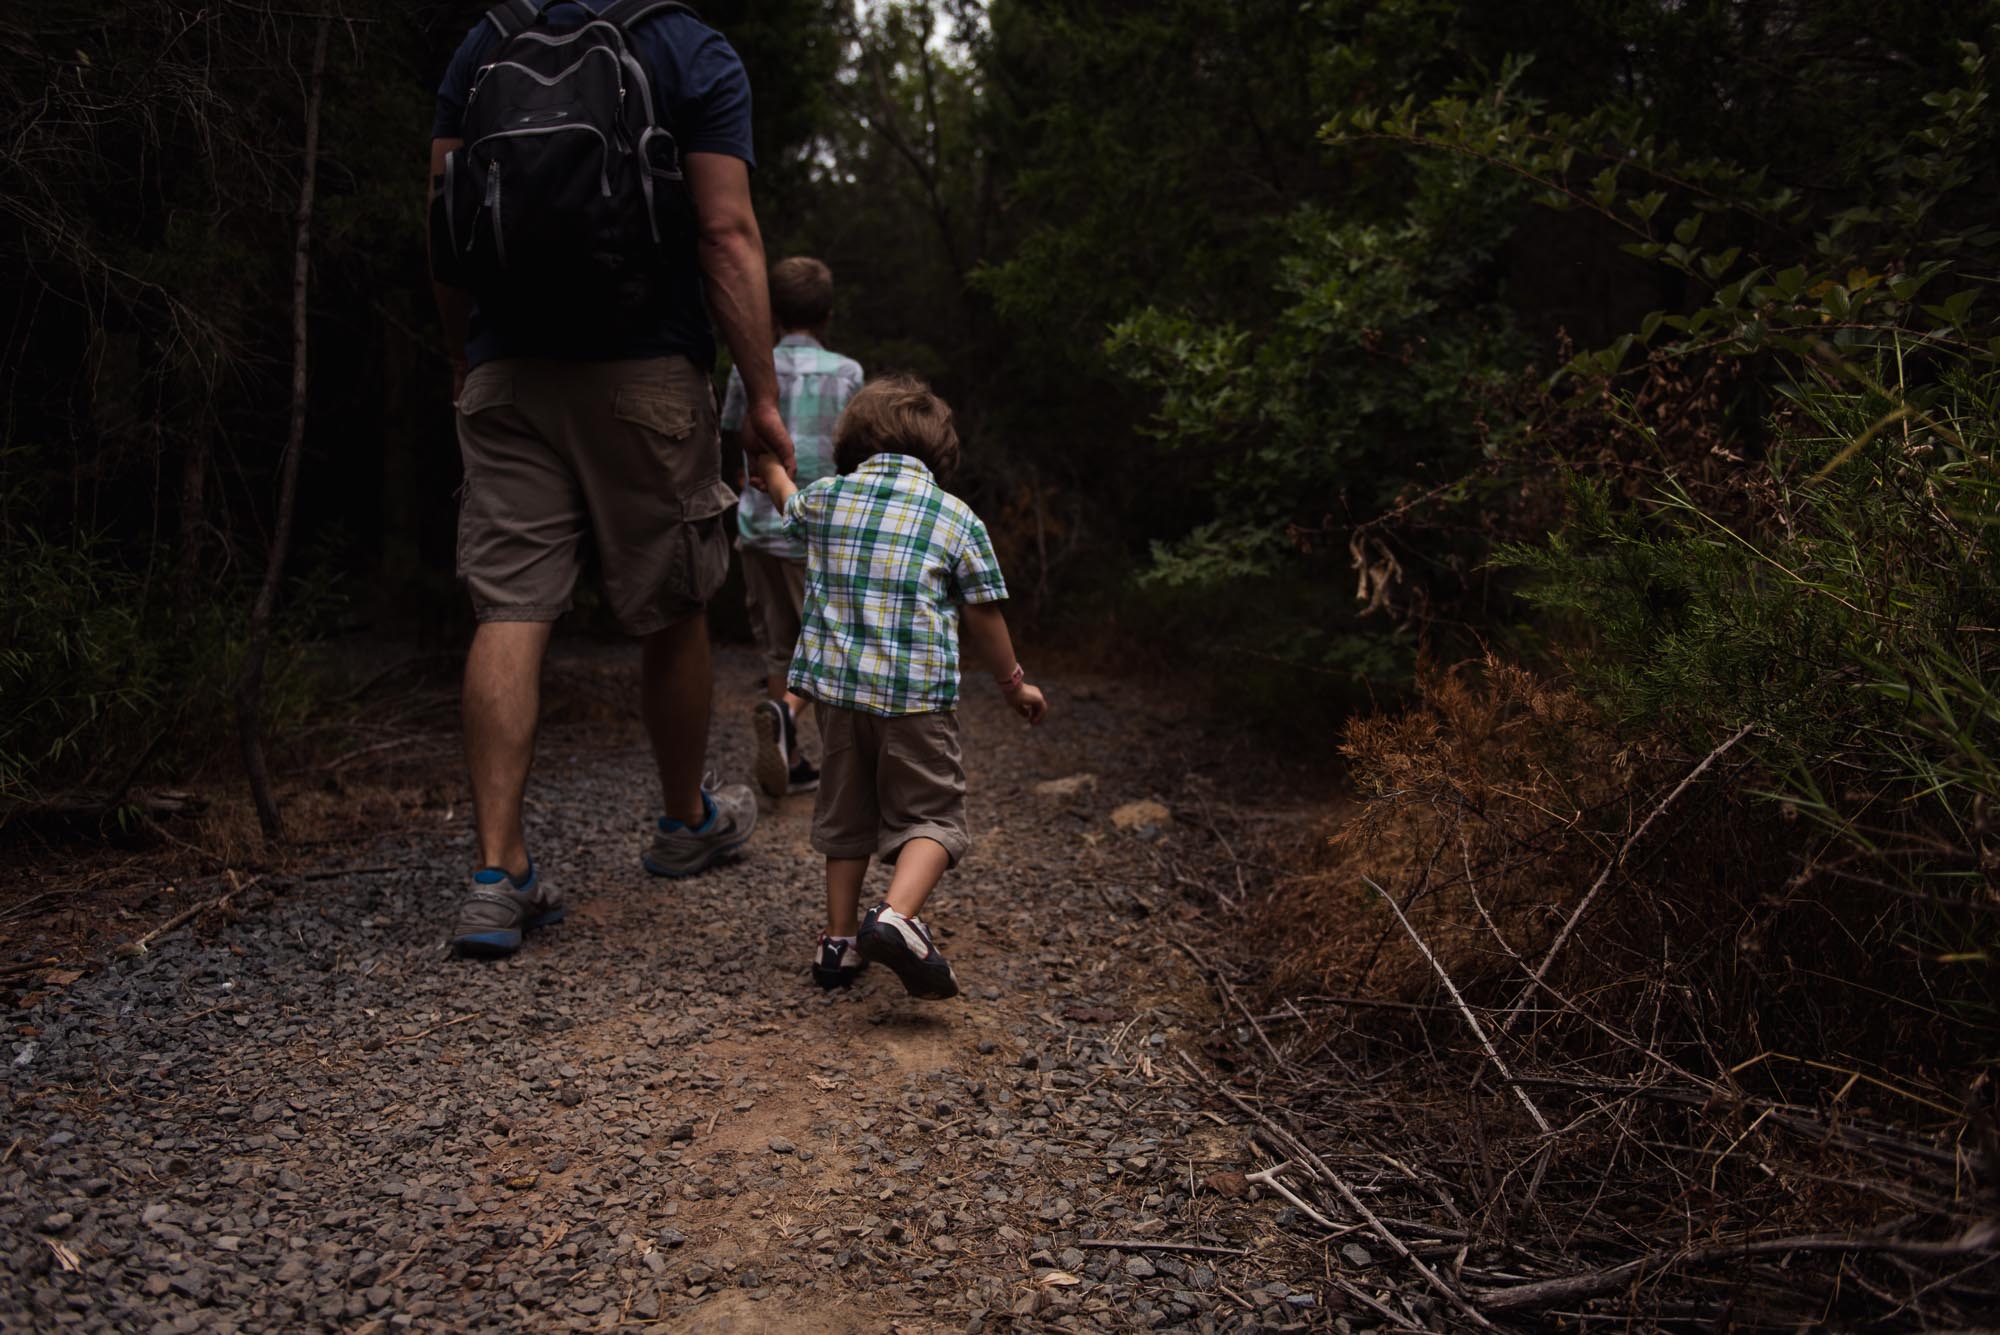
{"x": 613, "y": 428}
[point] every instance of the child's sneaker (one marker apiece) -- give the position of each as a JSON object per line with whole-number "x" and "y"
{"x": 499, "y": 909}
{"x": 770, "y": 721}
{"x": 802, "y": 778}
{"x": 838, "y": 963}
{"x": 905, "y": 946}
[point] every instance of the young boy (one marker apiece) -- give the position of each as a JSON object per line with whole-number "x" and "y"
{"x": 893, "y": 563}
{"x": 813, "y": 386}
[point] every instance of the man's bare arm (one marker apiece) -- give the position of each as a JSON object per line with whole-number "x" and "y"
{"x": 732, "y": 258}
{"x": 454, "y": 305}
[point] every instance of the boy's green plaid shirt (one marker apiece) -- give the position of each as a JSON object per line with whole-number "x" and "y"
{"x": 889, "y": 557}
{"x": 813, "y": 386}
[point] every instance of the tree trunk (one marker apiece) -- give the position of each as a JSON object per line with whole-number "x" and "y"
{"x": 249, "y": 686}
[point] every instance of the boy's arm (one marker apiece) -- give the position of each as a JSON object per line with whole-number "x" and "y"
{"x": 773, "y": 478}
{"x": 985, "y": 633}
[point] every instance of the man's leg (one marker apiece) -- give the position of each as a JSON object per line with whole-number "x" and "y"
{"x": 675, "y": 682}
{"x": 503, "y": 679}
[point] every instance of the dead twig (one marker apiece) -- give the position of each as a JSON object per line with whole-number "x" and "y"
{"x": 138, "y": 945}
{"x": 1142, "y": 1245}
{"x": 1354, "y": 1202}
{"x": 411, "y": 1038}
{"x": 1471, "y": 1020}
{"x": 1543, "y": 1293}
{"x": 1603, "y": 878}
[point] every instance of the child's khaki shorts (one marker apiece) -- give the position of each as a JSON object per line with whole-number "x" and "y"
{"x": 886, "y": 781}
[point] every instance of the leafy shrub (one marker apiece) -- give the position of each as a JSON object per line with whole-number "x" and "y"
{"x": 97, "y": 675}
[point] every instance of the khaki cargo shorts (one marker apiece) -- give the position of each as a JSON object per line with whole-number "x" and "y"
{"x": 886, "y": 781}
{"x": 628, "y": 450}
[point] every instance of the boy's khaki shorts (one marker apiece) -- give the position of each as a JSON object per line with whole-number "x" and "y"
{"x": 886, "y": 781}
{"x": 774, "y": 592}
{"x": 628, "y": 450}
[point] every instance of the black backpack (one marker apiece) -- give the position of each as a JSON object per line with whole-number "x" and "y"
{"x": 566, "y": 204}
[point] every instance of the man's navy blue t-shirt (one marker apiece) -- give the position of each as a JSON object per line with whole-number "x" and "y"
{"x": 704, "y": 97}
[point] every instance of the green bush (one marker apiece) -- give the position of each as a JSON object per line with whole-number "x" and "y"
{"x": 96, "y": 672}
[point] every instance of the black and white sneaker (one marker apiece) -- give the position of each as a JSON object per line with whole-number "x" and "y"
{"x": 770, "y": 722}
{"x": 838, "y": 963}
{"x": 905, "y": 946}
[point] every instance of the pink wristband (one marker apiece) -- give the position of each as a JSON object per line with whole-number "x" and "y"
{"x": 1012, "y": 679}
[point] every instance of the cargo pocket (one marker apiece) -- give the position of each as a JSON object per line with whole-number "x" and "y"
{"x": 701, "y": 543}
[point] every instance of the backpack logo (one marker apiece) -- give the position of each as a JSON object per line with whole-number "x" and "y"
{"x": 566, "y": 204}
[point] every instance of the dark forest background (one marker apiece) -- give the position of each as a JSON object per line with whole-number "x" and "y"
{"x": 1217, "y": 290}
{"x": 1576, "y": 419}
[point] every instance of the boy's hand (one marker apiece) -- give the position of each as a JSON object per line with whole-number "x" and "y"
{"x": 1028, "y": 702}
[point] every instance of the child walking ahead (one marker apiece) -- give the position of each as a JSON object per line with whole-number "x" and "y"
{"x": 814, "y": 384}
{"x": 891, "y": 561}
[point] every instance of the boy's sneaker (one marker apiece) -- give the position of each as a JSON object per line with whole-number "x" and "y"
{"x": 677, "y": 850}
{"x": 905, "y": 946}
{"x": 770, "y": 721}
{"x": 838, "y": 963}
{"x": 802, "y": 777}
{"x": 499, "y": 909}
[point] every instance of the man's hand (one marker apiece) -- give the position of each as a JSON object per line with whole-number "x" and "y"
{"x": 457, "y": 379}
{"x": 764, "y": 432}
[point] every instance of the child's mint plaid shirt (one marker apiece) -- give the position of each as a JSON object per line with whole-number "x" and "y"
{"x": 889, "y": 557}
{"x": 813, "y": 386}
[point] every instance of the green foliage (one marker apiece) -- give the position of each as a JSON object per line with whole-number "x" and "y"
{"x": 1838, "y": 595}
{"x": 95, "y": 674}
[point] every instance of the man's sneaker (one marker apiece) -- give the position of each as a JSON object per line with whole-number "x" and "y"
{"x": 499, "y": 909}
{"x": 679, "y": 851}
{"x": 904, "y": 945}
{"x": 802, "y": 778}
{"x": 837, "y": 964}
{"x": 769, "y": 720}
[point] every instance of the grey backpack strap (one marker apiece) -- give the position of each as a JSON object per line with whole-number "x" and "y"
{"x": 511, "y": 16}
{"x": 628, "y": 14}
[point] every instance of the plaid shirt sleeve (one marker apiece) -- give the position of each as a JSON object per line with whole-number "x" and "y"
{"x": 734, "y": 402}
{"x": 975, "y": 570}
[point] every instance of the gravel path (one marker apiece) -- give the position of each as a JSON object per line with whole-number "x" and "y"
{"x": 310, "y": 1118}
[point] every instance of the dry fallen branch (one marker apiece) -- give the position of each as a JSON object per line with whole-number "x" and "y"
{"x": 1471, "y": 1020}
{"x": 1347, "y": 1193}
{"x": 1597, "y": 1283}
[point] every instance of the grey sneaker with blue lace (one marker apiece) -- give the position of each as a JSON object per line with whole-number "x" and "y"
{"x": 681, "y": 850}
{"x": 499, "y": 909}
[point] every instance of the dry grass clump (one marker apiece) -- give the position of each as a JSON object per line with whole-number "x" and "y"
{"x": 1496, "y": 788}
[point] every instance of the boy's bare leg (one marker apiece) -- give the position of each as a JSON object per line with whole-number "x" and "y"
{"x": 843, "y": 895}
{"x": 920, "y": 865}
{"x": 502, "y": 702}
{"x": 674, "y": 689}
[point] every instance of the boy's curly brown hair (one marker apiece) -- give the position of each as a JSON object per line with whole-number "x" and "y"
{"x": 896, "y": 414}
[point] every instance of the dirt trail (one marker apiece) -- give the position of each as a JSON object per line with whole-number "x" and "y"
{"x": 649, "y": 1118}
